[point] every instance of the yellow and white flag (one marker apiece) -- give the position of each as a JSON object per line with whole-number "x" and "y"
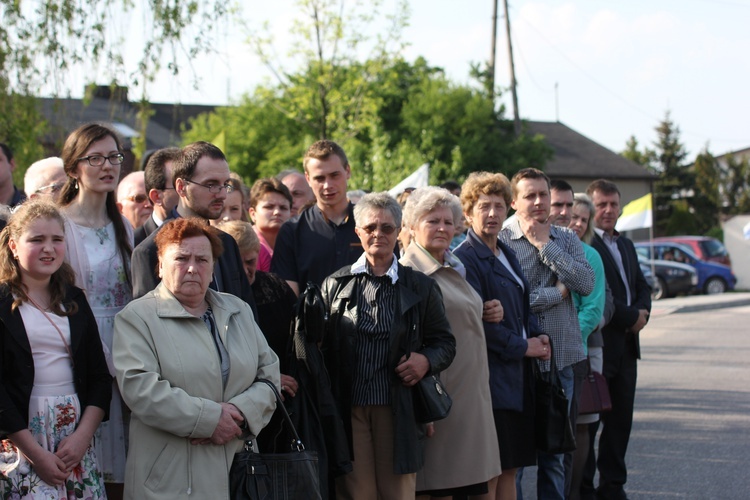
{"x": 636, "y": 215}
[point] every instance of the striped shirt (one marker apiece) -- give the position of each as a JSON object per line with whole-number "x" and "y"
{"x": 562, "y": 259}
{"x": 375, "y": 312}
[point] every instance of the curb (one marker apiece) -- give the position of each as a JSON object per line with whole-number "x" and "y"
{"x": 690, "y": 308}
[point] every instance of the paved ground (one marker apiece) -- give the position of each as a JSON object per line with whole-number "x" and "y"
{"x": 691, "y": 434}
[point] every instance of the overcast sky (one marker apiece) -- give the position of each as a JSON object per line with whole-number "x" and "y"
{"x": 619, "y": 65}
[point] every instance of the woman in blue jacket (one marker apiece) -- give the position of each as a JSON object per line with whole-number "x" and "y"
{"x": 494, "y": 272}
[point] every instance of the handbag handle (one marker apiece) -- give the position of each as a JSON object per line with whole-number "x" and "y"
{"x": 297, "y": 442}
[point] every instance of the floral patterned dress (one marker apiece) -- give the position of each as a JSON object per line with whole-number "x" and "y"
{"x": 107, "y": 291}
{"x": 54, "y": 412}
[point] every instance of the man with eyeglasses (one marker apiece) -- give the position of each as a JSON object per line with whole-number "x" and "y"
{"x": 45, "y": 178}
{"x": 201, "y": 180}
{"x": 160, "y": 190}
{"x": 132, "y": 200}
{"x": 10, "y": 195}
{"x": 321, "y": 239}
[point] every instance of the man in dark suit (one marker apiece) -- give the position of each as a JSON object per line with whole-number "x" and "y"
{"x": 201, "y": 180}
{"x": 160, "y": 190}
{"x": 632, "y": 299}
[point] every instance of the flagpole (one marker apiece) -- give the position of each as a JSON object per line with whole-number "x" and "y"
{"x": 651, "y": 239}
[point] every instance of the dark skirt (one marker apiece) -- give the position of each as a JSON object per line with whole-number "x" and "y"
{"x": 515, "y": 430}
{"x": 458, "y": 492}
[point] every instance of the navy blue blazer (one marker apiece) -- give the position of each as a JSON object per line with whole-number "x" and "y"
{"x": 616, "y": 333}
{"x": 505, "y": 343}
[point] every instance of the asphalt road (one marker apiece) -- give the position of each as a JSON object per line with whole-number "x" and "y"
{"x": 691, "y": 432}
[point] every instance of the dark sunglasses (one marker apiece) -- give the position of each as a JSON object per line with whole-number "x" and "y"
{"x": 137, "y": 198}
{"x": 384, "y": 228}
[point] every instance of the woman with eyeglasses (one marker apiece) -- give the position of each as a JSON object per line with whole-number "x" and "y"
{"x": 98, "y": 246}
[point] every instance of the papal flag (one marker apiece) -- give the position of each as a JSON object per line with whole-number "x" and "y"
{"x": 220, "y": 141}
{"x": 637, "y": 214}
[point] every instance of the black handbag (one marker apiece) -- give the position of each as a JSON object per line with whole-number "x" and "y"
{"x": 431, "y": 401}
{"x": 275, "y": 476}
{"x": 554, "y": 433}
{"x": 594, "y": 394}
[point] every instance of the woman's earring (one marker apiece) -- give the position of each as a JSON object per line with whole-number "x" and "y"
{"x": 75, "y": 183}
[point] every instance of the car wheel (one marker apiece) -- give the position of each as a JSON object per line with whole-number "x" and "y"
{"x": 660, "y": 289}
{"x": 715, "y": 285}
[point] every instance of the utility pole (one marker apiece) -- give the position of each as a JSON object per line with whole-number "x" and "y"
{"x": 491, "y": 66}
{"x": 516, "y": 119}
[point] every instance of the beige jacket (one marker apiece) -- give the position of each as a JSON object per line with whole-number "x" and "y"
{"x": 464, "y": 449}
{"x": 169, "y": 375}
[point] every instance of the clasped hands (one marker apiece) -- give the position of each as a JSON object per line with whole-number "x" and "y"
{"x": 228, "y": 428}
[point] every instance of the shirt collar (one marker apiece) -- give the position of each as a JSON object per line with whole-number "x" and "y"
{"x": 363, "y": 267}
{"x": 605, "y": 236}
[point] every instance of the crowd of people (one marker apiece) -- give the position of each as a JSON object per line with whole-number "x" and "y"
{"x": 138, "y": 312}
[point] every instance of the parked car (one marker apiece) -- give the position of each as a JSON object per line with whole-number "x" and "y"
{"x": 646, "y": 270}
{"x": 706, "y": 248}
{"x": 672, "y": 278}
{"x": 712, "y": 277}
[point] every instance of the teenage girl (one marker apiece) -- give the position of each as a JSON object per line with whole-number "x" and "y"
{"x": 55, "y": 387}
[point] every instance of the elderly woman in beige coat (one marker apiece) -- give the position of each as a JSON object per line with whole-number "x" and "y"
{"x": 462, "y": 456}
{"x": 186, "y": 360}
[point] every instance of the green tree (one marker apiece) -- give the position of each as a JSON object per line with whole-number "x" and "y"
{"x": 43, "y": 42}
{"x": 706, "y": 200}
{"x": 737, "y": 185}
{"x": 675, "y": 178}
{"x": 644, "y": 157}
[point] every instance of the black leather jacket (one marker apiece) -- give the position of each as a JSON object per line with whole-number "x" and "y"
{"x": 419, "y": 325}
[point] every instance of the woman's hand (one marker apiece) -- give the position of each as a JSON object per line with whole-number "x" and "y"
{"x": 50, "y": 468}
{"x": 538, "y": 347}
{"x": 288, "y": 385}
{"x": 412, "y": 369}
{"x": 72, "y": 448}
{"x": 492, "y": 312}
{"x": 228, "y": 427}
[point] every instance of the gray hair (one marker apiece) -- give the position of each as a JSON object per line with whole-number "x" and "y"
{"x": 377, "y": 201}
{"x": 38, "y": 173}
{"x": 424, "y": 200}
{"x": 583, "y": 200}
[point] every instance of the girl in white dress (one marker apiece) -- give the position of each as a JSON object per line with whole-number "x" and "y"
{"x": 55, "y": 387}
{"x": 99, "y": 243}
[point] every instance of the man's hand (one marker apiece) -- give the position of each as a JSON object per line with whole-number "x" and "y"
{"x": 641, "y": 322}
{"x": 536, "y": 232}
{"x": 563, "y": 289}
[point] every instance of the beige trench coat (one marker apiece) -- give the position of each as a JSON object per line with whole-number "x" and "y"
{"x": 464, "y": 449}
{"x": 169, "y": 375}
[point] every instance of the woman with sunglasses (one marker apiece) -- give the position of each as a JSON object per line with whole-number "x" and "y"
{"x": 98, "y": 246}
{"x": 386, "y": 331}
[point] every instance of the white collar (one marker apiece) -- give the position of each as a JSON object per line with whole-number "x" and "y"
{"x": 363, "y": 267}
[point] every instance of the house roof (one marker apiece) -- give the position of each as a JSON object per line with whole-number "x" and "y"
{"x": 163, "y": 130}
{"x": 577, "y": 156}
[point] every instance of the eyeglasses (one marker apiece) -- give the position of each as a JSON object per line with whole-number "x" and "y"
{"x": 137, "y": 198}
{"x": 213, "y": 188}
{"x": 98, "y": 160}
{"x": 384, "y": 228}
{"x": 50, "y": 188}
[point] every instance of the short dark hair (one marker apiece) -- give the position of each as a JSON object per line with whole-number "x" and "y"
{"x": 177, "y": 230}
{"x": 184, "y": 165}
{"x": 527, "y": 173}
{"x": 269, "y": 185}
{"x": 450, "y": 185}
{"x": 603, "y": 186}
{"x": 154, "y": 172}
{"x": 560, "y": 185}
{"x": 322, "y": 149}
{"x": 6, "y": 151}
